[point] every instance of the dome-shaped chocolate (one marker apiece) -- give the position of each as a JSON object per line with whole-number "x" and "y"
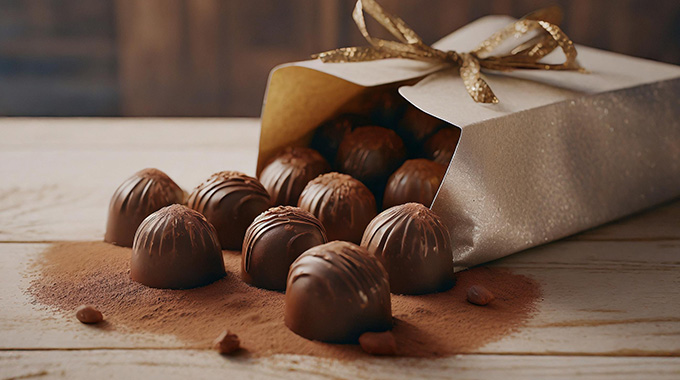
{"x": 440, "y": 147}
{"x": 287, "y": 174}
{"x": 146, "y": 192}
{"x": 414, "y": 246}
{"x": 385, "y": 106}
{"x": 273, "y": 241}
{"x": 415, "y": 128}
{"x": 343, "y": 205}
{"x": 371, "y": 154}
{"x": 416, "y": 180}
{"x": 328, "y": 136}
{"x": 176, "y": 248}
{"x": 336, "y": 292}
{"x": 230, "y": 201}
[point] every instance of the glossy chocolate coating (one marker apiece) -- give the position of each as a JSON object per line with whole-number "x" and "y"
{"x": 415, "y": 128}
{"x": 440, "y": 147}
{"x": 328, "y": 136}
{"x": 176, "y": 248}
{"x": 146, "y": 192}
{"x": 343, "y": 205}
{"x": 371, "y": 154}
{"x": 385, "y": 106}
{"x": 275, "y": 239}
{"x": 287, "y": 174}
{"x": 230, "y": 201}
{"x": 413, "y": 244}
{"x": 336, "y": 292}
{"x": 416, "y": 180}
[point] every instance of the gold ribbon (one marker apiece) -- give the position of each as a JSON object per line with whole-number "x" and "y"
{"x": 411, "y": 46}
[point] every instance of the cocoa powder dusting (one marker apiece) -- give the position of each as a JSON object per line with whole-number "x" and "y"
{"x": 435, "y": 325}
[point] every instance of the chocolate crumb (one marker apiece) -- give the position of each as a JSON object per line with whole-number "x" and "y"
{"x": 378, "y": 343}
{"x": 89, "y": 315}
{"x": 479, "y": 295}
{"x": 227, "y": 343}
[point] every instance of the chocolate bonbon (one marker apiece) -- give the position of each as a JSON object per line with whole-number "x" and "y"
{"x": 385, "y": 106}
{"x": 416, "y": 127}
{"x": 416, "y": 180}
{"x": 144, "y": 193}
{"x": 414, "y": 246}
{"x": 287, "y": 174}
{"x": 328, "y": 136}
{"x": 176, "y": 248}
{"x": 273, "y": 241}
{"x": 440, "y": 147}
{"x": 230, "y": 201}
{"x": 336, "y": 292}
{"x": 371, "y": 154}
{"x": 344, "y": 205}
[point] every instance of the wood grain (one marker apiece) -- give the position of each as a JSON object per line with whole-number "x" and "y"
{"x": 183, "y": 364}
{"x": 50, "y": 165}
{"x": 621, "y": 297}
{"x": 610, "y": 305}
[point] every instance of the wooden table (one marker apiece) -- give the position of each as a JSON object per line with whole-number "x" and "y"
{"x": 611, "y": 304}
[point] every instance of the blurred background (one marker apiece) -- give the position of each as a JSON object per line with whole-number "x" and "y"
{"x": 212, "y": 57}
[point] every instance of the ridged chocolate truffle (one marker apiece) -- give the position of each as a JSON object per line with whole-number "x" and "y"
{"x": 275, "y": 239}
{"x": 416, "y": 127}
{"x": 230, "y": 201}
{"x": 328, "y": 136}
{"x": 414, "y": 246}
{"x": 343, "y": 205}
{"x": 176, "y": 248}
{"x": 287, "y": 174}
{"x": 385, "y": 106}
{"x": 371, "y": 154}
{"x": 416, "y": 180}
{"x": 336, "y": 292}
{"x": 440, "y": 147}
{"x": 146, "y": 192}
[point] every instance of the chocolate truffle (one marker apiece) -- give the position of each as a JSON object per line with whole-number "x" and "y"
{"x": 415, "y": 181}
{"x": 275, "y": 239}
{"x": 230, "y": 201}
{"x": 287, "y": 174}
{"x": 336, "y": 292}
{"x": 176, "y": 248}
{"x": 328, "y": 136}
{"x": 414, "y": 246}
{"x": 371, "y": 154}
{"x": 343, "y": 205}
{"x": 146, "y": 192}
{"x": 440, "y": 147}
{"x": 385, "y": 106}
{"x": 415, "y": 128}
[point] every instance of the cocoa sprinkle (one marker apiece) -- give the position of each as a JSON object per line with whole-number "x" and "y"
{"x": 95, "y": 273}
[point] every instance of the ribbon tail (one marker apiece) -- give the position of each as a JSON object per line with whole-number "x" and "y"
{"x": 479, "y": 90}
{"x": 353, "y": 54}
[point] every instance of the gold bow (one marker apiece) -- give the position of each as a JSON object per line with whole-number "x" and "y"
{"x": 410, "y": 46}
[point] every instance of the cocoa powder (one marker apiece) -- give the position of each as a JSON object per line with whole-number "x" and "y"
{"x": 96, "y": 273}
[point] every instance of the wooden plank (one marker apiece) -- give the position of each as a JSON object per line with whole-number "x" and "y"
{"x": 58, "y": 175}
{"x": 621, "y": 298}
{"x": 85, "y": 134}
{"x": 183, "y": 364}
{"x": 659, "y": 223}
{"x": 49, "y": 166}
{"x": 27, "y": 325}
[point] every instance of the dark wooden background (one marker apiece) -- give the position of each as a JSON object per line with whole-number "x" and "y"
{"x": 212, "y": 57}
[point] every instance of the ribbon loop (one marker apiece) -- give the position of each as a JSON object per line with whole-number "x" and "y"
{"x": 410, "y": 46}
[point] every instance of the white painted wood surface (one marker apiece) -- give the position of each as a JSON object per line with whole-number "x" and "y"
{"x": 611, "y": 296}
{"x": 189, "y": 364}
